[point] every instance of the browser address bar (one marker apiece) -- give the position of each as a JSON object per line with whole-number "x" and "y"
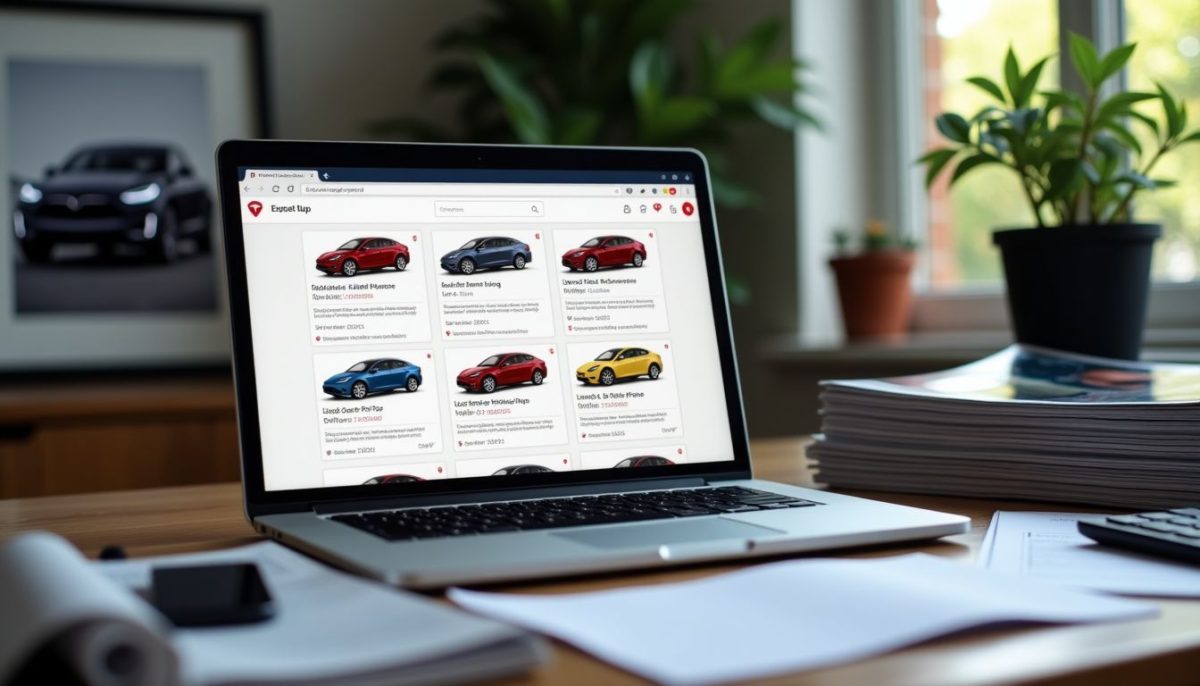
{"x": 465, "y": 190}
{"x": 489, "y": 208}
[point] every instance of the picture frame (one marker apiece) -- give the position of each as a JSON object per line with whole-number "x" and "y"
{"x": 110, "y": 114}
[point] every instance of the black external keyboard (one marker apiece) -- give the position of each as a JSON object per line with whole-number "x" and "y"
{"x": 1170, "y": 533}
{"x": 553, "y": 513}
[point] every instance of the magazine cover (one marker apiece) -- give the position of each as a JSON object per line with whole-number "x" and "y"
{"x": 1038, "y": 375}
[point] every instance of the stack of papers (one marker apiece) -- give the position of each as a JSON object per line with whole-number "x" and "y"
{"x": 1024, "y": 423}
{"x": 789, "y": 616}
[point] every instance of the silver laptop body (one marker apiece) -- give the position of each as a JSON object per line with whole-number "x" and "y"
{"x": 302, "y": 478}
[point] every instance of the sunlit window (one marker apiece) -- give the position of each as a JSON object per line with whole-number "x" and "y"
{"x": 1168, "y": 36}
{"x": 965, "y": 38}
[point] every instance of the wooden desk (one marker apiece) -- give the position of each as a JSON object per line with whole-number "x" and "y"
{"x": 1165, "y": 650}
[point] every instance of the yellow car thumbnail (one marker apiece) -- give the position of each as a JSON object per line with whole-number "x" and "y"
{"x": 620, "y": 363}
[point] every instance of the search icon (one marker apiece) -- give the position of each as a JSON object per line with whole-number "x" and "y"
{"x": 533, "y": 209}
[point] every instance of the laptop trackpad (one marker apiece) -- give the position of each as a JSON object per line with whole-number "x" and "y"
{"x": 667, "y": 533}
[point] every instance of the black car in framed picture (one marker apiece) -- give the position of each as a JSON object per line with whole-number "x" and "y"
{"x": 144, "y": 194}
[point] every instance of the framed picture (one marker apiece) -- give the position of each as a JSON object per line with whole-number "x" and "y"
{"x": 109, "y": 118}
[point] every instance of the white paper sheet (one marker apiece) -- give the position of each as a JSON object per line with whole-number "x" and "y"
{"x": 791, "y": 615}
{"x": 331, "y": 627}
{"x": 1047, "y": 546}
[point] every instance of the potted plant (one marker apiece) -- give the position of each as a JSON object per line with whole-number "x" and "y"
{"x": 612, "y": 72}
{"x": 873, "y": 281}
{"x": 1079, "y": 280}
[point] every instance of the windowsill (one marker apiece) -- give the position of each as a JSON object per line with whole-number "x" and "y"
{"x": 954, "y": 347}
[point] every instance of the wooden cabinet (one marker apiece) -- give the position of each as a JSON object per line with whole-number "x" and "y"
{"x": 59, "y": 437}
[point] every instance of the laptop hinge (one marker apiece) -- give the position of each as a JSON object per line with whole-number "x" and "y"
{"x": 494, "y": 495}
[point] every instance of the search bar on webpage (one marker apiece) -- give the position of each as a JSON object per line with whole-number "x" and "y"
{"x": 489, "y": 208}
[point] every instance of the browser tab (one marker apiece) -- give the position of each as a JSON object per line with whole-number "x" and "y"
{"x": 279, "y": 175}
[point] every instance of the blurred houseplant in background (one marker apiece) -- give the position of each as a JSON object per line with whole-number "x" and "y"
{"x": 873, "y": 282}
{"x": 609, "y": 72}
{"x": 1079, "y": 281}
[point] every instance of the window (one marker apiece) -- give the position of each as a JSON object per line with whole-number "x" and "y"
{"x": 964, "y": 38}
{"x": 1168, "y": 36}
{"x": 936, "y": 44}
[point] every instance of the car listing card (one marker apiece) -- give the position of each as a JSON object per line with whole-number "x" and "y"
{"x": 377, "y": 404}
{"x": 610, "y": 282}
{"x": 624, "y": 389}
{"x": 366, "y": 288}
{"x": 505, "y": 397}
{"x": 492, "y": 284}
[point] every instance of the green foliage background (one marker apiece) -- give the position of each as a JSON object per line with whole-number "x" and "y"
{"x": 609, "y": 72}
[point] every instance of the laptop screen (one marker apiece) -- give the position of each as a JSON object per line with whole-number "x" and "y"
{"x": 412, "y": 325}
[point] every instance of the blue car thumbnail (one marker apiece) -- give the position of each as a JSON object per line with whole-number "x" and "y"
{"x": 489, "y": 252}
{"x": 373, "y": 376}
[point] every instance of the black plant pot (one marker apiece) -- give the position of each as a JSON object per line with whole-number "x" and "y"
{"x": 1079, "y": 288}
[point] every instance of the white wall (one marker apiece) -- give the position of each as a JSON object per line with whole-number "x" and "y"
{"x": 834, "y": 188}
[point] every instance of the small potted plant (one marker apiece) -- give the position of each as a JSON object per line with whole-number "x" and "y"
{"x": 873, "y": 281}
{"x": 1079, "y": 279}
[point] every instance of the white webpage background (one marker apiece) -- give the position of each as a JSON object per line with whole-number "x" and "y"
{"x": 288, "y": 393}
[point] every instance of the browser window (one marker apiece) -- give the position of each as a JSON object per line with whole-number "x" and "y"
{"x": 411, "y": 326}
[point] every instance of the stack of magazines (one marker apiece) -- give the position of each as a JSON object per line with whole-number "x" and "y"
{"x": 1025, "y": 423}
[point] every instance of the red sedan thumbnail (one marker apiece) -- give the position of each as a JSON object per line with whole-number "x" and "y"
{"x": 358, "y": 254}
{"x": 605, "y": 251}
{"x": 503, "y": 369}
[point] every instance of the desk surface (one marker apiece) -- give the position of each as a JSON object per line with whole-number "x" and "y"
{"x": 1165, "y": 650}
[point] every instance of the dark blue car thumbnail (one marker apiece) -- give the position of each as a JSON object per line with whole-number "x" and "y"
{"x": 374, "y": 376}
{"x": 488, "y": 252}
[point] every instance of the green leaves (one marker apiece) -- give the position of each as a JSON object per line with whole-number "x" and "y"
{"x": 608, "y": 72}
{"x": 935, "y": 161}
{"x": 525, "y": 110}
{"x": 972, "y": 162}
{"x": 1012, "y": 75}
{"x": 674, "y": 117}
{"x": 1176, "y": 114}
{"x": 988, "y": 86}
{"x": 1065, "y": 177}
{"x": 954, "y": 127}
{"x": 1093, "y": 69}
{"x": 1087, "y": 63}
{"x": 1028, "y": 84}
{"x": 1120, "y": 105}
{"x": 783, "y": 116}
{"x": 1074, "y": 153}
{"x": 1114, "y": 61}
{"x": 662, "y": 116}
{"x": 651, "y": 71}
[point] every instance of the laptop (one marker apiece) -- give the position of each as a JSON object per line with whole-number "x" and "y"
{"x": 468, "y": 364}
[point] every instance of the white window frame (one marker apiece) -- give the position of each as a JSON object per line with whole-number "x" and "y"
{"x": 888, "y": 37}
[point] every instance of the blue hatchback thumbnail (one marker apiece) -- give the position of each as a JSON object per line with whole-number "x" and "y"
{"x": 374, "y": 376}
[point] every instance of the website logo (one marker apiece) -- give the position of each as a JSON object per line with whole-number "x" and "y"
{"x": 255, "y": 207}
{"x": 688, "y": 208}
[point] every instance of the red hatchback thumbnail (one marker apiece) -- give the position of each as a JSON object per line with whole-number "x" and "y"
{"x": 605, "y": 251}
{"x": 358, "y": 254}
{"x": 504, "y": 369}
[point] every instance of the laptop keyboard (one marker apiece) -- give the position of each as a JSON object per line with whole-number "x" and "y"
{"x": 553, "y": 513}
